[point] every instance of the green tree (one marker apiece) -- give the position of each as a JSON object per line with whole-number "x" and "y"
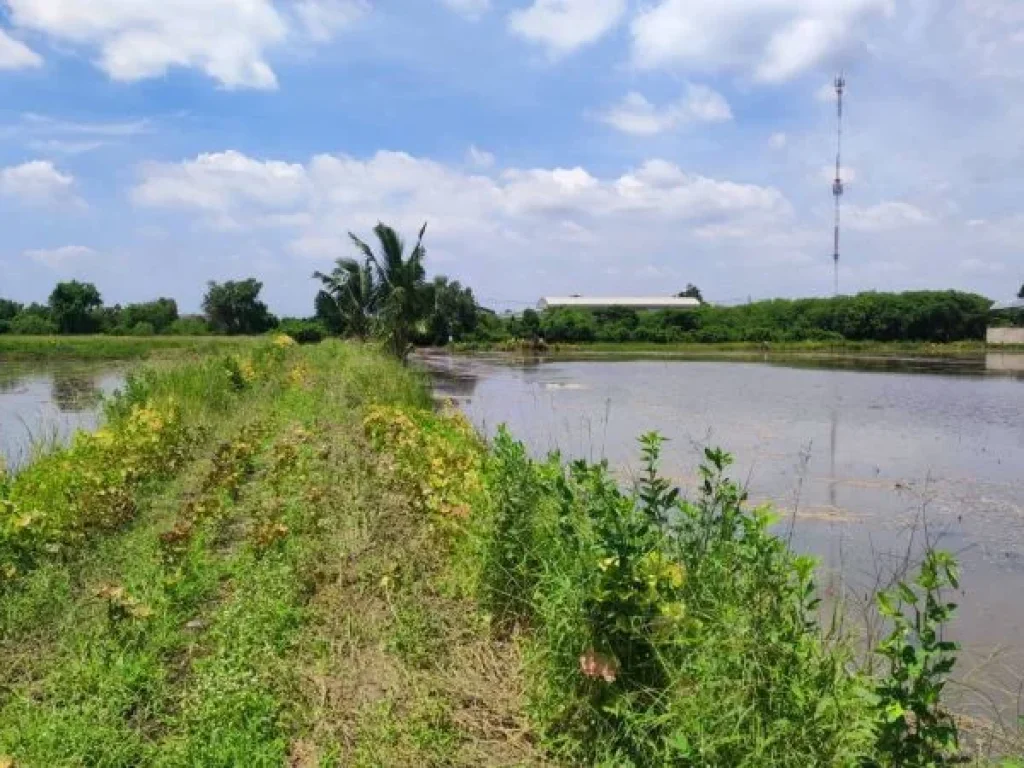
{"x": 454, "y": 314}
{"x": 347, "y": 302}
{"x": 400, "y": 285}
{"x": 1020, "y": 293}
{"x": 691, "y": 292}
{"x": 9, "y": 309}
{"x": 235, "y": 308}
{"x": 27, "y": 324}
{"x": 189, "y": 326}
{"x": 73, "y": 306}
{"x": 159, "y": 314}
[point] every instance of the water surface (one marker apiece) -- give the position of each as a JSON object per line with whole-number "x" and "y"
{"x": 44, "y": 404}
{"x": 863, "y": 457}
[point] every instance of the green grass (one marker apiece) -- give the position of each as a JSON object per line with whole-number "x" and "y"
{"x": 115, "y": 347}
{"x": 332, "y": 573}
{"x": 205, "y": 628}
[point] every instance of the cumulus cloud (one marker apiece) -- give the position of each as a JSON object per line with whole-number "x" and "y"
{"x": 885, "y": 217}
{"x": 778, "y": 141}
{"x": 60, "y": 258}
{"x": 14, "y": 54}
{"x": 562, "y": 26}
{"x": 471, "y": 9}
{"x": 637, "y": 116}
{"x": 323, "y": 19}
{"x": 770, "y": 41}
{"x": 522, "y": 210}
{"x": 36, "y": 182}
{"x": 226, "y": 39}
{"x": 221, "y": 181}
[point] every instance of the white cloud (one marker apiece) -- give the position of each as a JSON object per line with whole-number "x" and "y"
{"x": 323, "y": 19}
{"x": 226, "y": 39}
{"x": 218, "y": 182}
{"x": 885, "y": 217}
{"x": 331, "y": 195}
{"x": 638, "y": 116}
{"x": 778, "y": 141}
{"x": 63, "y": 147}
{"x": 993, "y": 33}
{"x": 36, "y": 182}
{"x": 14, "y": 54}
{"x": 562, "y": 26}
{"x": 60, "y": 258}
{"x": 771, "y": 40}
{"x": 471, "y": 9}
{"x": 479, "y": 158}
{"x": 114, "y": 129}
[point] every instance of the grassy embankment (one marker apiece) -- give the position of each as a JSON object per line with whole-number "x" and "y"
{"x": 287, "y": 557}
{"x": 219, "y": 576}
{"x": 31, "y": 348}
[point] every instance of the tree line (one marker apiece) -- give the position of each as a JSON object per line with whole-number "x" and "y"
{"x": 77, "y": 308}
{"x": 924, "y": 316}
{"x": 383, "y": 293}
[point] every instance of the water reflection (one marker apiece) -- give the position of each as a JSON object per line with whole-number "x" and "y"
{"x": 1005, "y": 362}
{"x": 76, "y": 392}
{"x": 451, "y": 379}
{"x": 9, "y": 381}
{"x": 43, "y": 405}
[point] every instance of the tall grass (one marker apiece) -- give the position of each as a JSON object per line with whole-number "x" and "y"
{"x": 663, "y": 631}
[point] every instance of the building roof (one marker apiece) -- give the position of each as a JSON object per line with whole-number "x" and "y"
{"x": 632, "y": 302}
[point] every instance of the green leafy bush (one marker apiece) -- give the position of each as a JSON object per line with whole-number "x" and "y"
{"x": 662, "y": 631}
{"x": 32, "y": 325}
{"x": 303, "y": 331}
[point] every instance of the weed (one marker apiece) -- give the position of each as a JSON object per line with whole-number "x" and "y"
{"x": 915, "y": 728}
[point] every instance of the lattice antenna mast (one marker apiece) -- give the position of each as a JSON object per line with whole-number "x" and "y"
{"x": 837, "y": 185}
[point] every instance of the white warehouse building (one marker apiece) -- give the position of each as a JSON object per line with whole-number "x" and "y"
{"x": 628, "y": 302}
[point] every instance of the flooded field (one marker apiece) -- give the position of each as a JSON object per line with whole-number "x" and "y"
{"x": 42, "y": 404}
{"x": 863, "y": 457}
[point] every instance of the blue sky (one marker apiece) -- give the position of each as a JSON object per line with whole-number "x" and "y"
{"x": 554, "y": 146}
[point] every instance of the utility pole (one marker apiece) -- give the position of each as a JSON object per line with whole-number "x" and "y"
{"x": 837, "y": 184}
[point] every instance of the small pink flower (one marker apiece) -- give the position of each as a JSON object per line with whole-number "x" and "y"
{"x": 598, "y": 666}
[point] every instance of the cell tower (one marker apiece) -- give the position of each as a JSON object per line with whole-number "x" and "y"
{"x": 837, "y": 185}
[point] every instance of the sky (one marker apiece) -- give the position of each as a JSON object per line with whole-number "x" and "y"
{"x": 600, "y": 147}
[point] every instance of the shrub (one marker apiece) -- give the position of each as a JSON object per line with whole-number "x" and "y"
{"x": 50, "y": 507}
{"x": 303, "y": 331}
{"x": 142, "y": 329}
{"x": 189, "y": 326}
{"x": 437, "y": 458}
{"x": 32, "y": 325}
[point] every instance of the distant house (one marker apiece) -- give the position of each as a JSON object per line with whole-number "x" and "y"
{"x": 628, "y": 302}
